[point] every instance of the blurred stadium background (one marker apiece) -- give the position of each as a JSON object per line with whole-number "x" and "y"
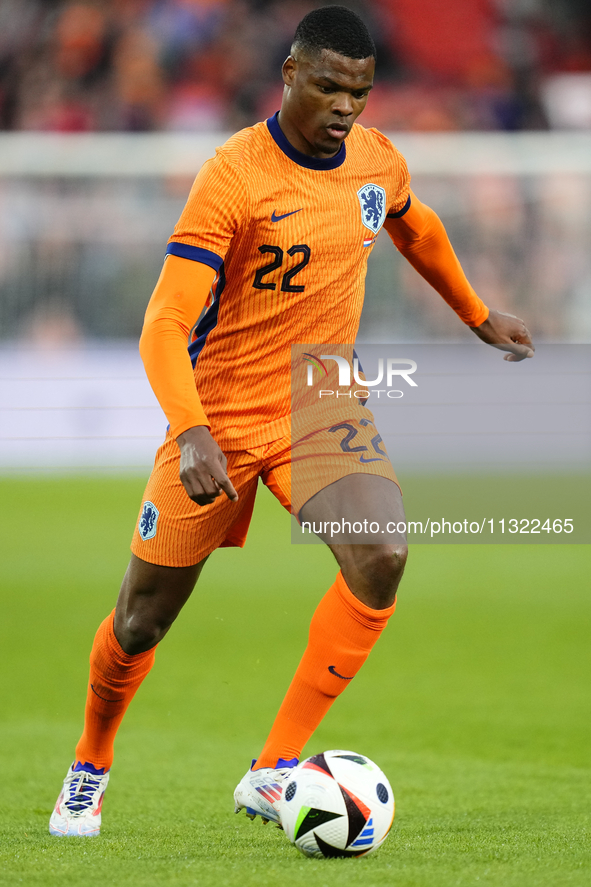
{"x": 107, "y": 110}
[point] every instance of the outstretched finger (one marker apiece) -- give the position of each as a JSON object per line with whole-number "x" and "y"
{"x": 223, "y": 482}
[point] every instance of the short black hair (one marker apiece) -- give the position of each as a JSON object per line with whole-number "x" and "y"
{"x": 336, "y": 28}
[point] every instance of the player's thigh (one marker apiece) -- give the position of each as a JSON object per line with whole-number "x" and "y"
{"x": 361, "y": 518}
{"x": 296, "y": 469}
{"x": 358, "y": 509}
{"x": 344, "y": 494}
{"x": 343, "y": 485}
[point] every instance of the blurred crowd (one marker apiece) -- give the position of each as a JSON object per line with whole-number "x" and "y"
{"x": 205, "y": 65}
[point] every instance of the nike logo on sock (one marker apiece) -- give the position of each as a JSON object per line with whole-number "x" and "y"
{"x": 104, "y": 698}
{"x": 333, "y": 671}
{"x": 275, "y": 218}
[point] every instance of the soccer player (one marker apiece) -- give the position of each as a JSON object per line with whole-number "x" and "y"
{"x": 275, "y": 235}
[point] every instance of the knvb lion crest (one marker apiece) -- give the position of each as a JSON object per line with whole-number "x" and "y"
{"x": 148, "y": 521}
{"x": 372, "y": 199}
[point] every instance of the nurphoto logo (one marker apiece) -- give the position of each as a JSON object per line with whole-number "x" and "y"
{"x": 390, "y": 371}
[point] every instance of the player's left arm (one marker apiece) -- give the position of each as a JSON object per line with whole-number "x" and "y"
{"x": 420, "y": 236}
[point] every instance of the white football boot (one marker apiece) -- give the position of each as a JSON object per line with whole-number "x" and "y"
{"x": 259, "y": 791}
{"x": 77, "y": 811}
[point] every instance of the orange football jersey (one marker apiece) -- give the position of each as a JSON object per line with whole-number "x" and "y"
{"x": 289, "y": 236}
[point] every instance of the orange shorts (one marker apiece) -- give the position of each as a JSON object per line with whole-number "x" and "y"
{"x": 174, "y": 531}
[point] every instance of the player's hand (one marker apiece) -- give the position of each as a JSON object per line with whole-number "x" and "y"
{"x": 203, "y": 467}
{"x": 507, "y": 332}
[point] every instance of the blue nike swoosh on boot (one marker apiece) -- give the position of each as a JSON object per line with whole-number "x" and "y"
{"x": 275, "y": 218}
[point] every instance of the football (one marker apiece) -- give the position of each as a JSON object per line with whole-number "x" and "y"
{"x": 337, "y": 803}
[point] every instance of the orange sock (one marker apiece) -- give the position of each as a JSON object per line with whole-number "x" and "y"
{"x": 342, "y": 634}
{"x": 114, "y": 679}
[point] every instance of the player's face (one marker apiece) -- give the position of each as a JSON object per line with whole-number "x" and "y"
{"x": 324, "y": 94}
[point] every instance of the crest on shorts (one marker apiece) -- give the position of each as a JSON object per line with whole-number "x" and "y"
{"x": 372, "y": 200}
{"x": 148, "y": 521}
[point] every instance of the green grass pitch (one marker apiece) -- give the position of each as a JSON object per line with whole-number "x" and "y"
{"x": 475, "y": 703}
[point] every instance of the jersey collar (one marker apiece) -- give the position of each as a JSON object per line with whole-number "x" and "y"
{"x": 297, "y": 156}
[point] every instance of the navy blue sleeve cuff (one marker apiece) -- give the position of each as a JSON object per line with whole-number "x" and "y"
{"x": 196, "y": 254}
{"x": 400, "y": 212}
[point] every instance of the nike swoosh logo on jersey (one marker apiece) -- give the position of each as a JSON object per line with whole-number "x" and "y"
{"x": 333, "y": 671}
{"x": 275, "y": 218}
{"x": 377, "y": 459}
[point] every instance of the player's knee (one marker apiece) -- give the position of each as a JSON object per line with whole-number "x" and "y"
{"x": 398, "y": 558}
{"x": 382, "y": 568}
{"x": 137, "y": 633}
{"x": 385, "y": 563}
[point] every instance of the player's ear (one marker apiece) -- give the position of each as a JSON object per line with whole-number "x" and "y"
{"x": 289, "y": 70}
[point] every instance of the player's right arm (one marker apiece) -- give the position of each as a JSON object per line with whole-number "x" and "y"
{"x": 177, "y": 300}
